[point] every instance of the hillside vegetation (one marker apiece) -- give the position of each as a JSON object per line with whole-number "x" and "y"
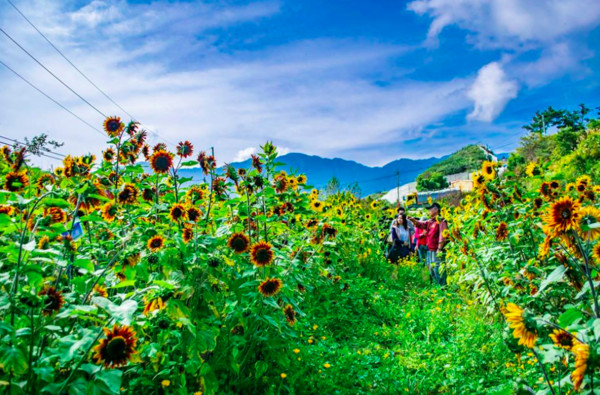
{"x": 468, "y": 158}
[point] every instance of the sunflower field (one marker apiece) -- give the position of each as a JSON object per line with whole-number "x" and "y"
{"x": 118, "y": 275}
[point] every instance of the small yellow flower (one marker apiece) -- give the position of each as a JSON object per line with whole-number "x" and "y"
{"x": 165, "y": 383}
{"x": 315, "y": 327}
{"x": 326, "y": 365}
{"x": 310, "y": 341}
{"x": 283, "y": 375}
{"x": 323, "y": 338}
{"x": 296, "y": 350}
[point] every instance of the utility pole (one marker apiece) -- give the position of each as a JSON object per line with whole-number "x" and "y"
{"x": 398, "y": 188}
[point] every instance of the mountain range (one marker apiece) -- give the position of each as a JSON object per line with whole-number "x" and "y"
{"x": 320, "y": 170}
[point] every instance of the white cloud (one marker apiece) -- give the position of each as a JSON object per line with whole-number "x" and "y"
{"x": 244, "y": 154}
{"x": 490, "y": 92}
{"x": 308, "y": 96}
{"x": 510, "y": 23}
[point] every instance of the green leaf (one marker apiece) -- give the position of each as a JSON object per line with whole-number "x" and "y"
{"x": 555, "y": 276}
{"x": 261, "y": 368}
{"x": 86, "y": 264}
{"x": 189, "y": 163}
{"x": 163, "y": 284}
{"x": 569, "y": 317}
{"x": 54, "y": 202}
{"x": 12, "y": 359}
{"x": 123, "y": 313}
{"x": 111, "y": 379}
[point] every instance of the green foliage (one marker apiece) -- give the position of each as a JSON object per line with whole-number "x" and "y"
{"x": 431, "y": 181}
{"x": 466, "y": 159}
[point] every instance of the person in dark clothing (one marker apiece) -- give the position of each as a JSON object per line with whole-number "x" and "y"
{"x": 401, "y": 239}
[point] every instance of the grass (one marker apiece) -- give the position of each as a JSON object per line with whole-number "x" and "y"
{"x": 399, "y": 334}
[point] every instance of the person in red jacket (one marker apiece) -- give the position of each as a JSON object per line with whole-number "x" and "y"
{"x": 435, "y": 241}
{"x": 420, "y": 243}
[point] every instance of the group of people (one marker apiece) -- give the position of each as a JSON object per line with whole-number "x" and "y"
{"x": 425, "y": 237}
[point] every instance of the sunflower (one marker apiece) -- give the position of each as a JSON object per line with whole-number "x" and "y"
{"x": 590, "y": 215}
{"x": 56, "y": 215}
{"x": 113, "y": 126}
{"x": 256, "y": 163}
{"x": 270, "y": 287}
{"x": 207, "y": 162}
{"x": 478, "y": 180}
{"x": 596, "y": 253}
{"x": 533, "y": 170}
{"x": 117, "y": 348}
{"x": 488, "y": 169}
{"x": 280, "y": 183}
{"x": 161, "y": 161}
{"x": 43, "y": 243}
{"x": 301, "y": 179}
{"x": 562, "y": 339}
{"x": 148, "y": 194}
{"x": 290, "y": 314}
{"x": 44, "y": 180}
{"x": 156, "y": 243}
{"x": 152, "y": 305}
{"x": 178, "y": 212}
{"x": 581, "y": 186}
{"x": 100, "y": 290}
{"x": 292, "y": 182}
{"x": 53, "y": 300}
{"x": 128, "y": 194}
{"x": 374, "y": 204}
{"x": 187, "y": 234}
{"x": 194, "y": 194}
{"x": 239, "y": 243}
{"x": 570, "y": 187}
{"x": 545, "y": 189}
{"x": 16, "y": 181}
{"x": 563, "y": 216}
{"x": 193, "y": 214}
{"x": 108, "y": 155}
{"x": 132, "y": 259}
{"x": 316, "y": 205}
{"x": 524, "y": 326}
{"x": 185, "y": 149}
{"x": 329, "y": 231}
{"x": 502, "y": 231}
{"x": 109, "y": 211}
{"x": 582, "y": 353}
{"x": 261, "y": 254}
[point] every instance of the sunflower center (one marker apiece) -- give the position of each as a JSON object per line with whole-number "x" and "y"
{"x": 156, "y": 243}
{"x": 238, "y": 243}
{"x": 116, "y": 349}
{"x": 263, "y": 255}
{"x": 565, "y": 213}
{"x": 112, "y": 126}
{"x": 162, "y": 163}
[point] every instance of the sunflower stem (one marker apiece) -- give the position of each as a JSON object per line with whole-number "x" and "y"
{"x": 588, "y": 274}
{"x": 537, "y": 357}
{"x": 20, "y": 256}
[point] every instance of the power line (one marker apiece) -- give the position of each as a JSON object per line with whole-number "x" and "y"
{"x": 69, "y": 61}
{"x": 83, "y": 74}
{"x": 20, "y": 143}
{"x": 51, "y": 73}
{"x": 50, "y": 98}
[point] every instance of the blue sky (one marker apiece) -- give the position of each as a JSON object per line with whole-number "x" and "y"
{"x": 370, "y": 81}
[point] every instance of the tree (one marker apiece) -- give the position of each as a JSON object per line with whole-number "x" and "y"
{"x": 431, "y": 181}
{"x": 333, "y": 186}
